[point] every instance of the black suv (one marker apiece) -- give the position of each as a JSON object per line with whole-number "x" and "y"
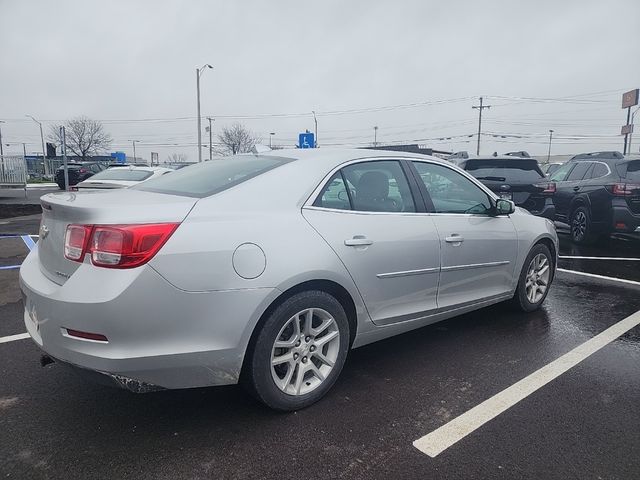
{"x": 597, "y": 194}
{"x": 515, "y": 178}
{"x": 78, "y": 171}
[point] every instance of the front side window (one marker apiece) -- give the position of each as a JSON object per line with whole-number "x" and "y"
{"x": 451, "y": 192}
{"x": 561, "y": 173}
{"x": 378, "y": 186}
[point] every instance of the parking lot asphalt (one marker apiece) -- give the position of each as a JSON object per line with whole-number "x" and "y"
{"x": 584, "y": 424}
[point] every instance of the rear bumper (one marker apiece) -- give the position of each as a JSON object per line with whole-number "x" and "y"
{"x": 624, "y": 220}
{"x": 158, "y": 335}
{"x": 548, "y": 211}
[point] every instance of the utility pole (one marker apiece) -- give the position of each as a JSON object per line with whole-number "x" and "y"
{"x": 134, "y": 149}
{"x": 480, "y": 108}
{"x": 210, "y": 139}
{"x": 375, "y": 136}
{"x": 198, "y": 73}
{"x": 550, "y": 137}
{"x": 315, "y": 134}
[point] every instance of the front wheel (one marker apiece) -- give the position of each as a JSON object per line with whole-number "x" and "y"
{"x": 535, "y": 279}
{"x": 299, "y": 352}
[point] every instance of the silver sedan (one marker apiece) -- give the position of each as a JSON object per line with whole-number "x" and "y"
{"x": 267, "y": 269}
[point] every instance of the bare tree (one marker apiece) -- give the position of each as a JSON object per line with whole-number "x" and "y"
{"x": 237, "y": 139}
{"x": 85, "y": 136}
{"x": 177, "y": 158}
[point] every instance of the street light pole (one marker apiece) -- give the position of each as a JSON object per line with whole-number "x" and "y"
{"x": 198, "y": 74}
{"x": 315, "y": 132}
{"x": 550, "y": 137}
{"x": 44, "y": 152}
{"x": 270, "y": 137}
{"x": 375, "y": 136}
{"x": 1, "y": 151}
{"x": 210, "y": 139}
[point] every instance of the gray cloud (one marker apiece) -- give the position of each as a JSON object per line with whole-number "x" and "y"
{"x": 123, "y": 62}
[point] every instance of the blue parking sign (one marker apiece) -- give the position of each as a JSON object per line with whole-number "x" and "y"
{"x": 306, "y": 140}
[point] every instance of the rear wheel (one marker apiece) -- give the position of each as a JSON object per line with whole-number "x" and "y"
{"x": 581, "y": 229}
{"x": 535, "y": 279}
{"x": 299, "y": 352}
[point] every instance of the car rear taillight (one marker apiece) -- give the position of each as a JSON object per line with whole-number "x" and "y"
{"x": 76, "y": 239}
{"x": 549, "y": 188}
{"x": 119, "y": 246}
{"x": 623, "y": 189}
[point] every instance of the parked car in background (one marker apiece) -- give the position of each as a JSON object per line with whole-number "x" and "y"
{"x": 598, "y": 193}
{"x": 549, "y": 168}
{"x": 215, "y": 274}
{"x": 122, "y": 177}
{"x": 77, "y": 172}
{"x": 515, "y": 178}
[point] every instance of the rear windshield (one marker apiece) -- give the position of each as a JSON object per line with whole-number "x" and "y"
{"x": 633, "y": 171}
{"x": 510, "y": 171}
{"x": 207, "y": 178}
{"x": 120, "y": 173}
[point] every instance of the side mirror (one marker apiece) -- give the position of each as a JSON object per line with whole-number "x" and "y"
{"x": 505, "y": 207}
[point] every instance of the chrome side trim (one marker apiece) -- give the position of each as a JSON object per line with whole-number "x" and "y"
{"x": 407, "y": 273}
{"x": 454, "y": 268}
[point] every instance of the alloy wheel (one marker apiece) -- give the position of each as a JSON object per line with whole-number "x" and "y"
{"x": 537, "y": 279}
{"x": 579, "y": 225}
{"x": 305, "y": 351}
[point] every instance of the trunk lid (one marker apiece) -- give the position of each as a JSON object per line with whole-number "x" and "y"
{"x": 98, "y": 207}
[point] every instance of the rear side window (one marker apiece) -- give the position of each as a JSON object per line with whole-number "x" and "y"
{"x": 599, "y": 170}
{"x": 633, "y": 171}
{"x": 506, "y": 171}
{"x": 208, "y": 178}
{"x": 579, "y": 172}
{"x": 334, "y": 194}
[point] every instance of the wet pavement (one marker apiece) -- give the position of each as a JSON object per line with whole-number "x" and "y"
{"x": 584, "y": 424}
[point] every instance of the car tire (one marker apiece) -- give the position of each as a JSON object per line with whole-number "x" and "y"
{"x": 580, "y": 227}
{"x": 534, "y": 281}
{"x": 315, "y": 353}
{"x": 61, "y": 186}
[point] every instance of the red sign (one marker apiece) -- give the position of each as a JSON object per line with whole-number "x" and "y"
{"x": 630, "y": 98}
{"x": 626, "y": 129}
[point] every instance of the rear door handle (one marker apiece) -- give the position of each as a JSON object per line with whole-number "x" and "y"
{"x": 455, "y": 238}
{"x": 358, "y": 241}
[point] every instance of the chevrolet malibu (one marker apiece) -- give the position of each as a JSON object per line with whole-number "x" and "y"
{"x": 267, "y": 269}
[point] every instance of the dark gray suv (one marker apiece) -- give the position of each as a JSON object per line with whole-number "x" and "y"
{"x": 597, "y": 194}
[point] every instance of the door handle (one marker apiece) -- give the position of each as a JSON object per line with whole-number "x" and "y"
{"x": 358, "y": 241}
{"x": 576, "y": 188}
{"x": 455, "y": 238}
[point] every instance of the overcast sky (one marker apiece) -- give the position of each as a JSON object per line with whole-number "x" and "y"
{"x": 412, "y": 68}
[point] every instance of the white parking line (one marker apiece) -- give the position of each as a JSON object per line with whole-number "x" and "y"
{"x": 13, "y": 338}
{"x": 601, "y": 277}
{"x": 575, "y": 257}
{"x": 442, "y": 438}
